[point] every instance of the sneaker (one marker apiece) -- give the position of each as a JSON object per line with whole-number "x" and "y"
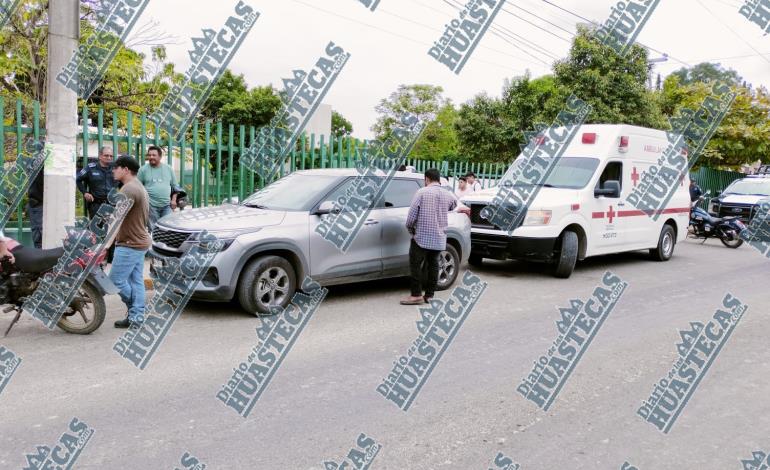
{"x": 124, "y": 323}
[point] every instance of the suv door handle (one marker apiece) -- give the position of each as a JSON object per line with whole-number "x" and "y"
{"x": 371, "y": 222}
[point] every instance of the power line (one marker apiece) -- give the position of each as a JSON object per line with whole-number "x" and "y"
{"x": 733, "y": 31}
{"x": 597, "y": 24}
{"x": 390, "y": 32}
{"x": 496, "y": 31}
{"x": 541, "y": 19}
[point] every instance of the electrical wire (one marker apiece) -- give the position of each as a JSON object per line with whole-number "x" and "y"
{"x": 751, "y": 46}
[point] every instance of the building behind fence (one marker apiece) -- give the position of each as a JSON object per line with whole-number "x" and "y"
{"x": 207, "y": 165}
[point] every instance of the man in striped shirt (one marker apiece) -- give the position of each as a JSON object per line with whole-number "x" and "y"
{"x": 427, "y": 222}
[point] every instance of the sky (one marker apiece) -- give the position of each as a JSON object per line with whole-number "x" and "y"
{"x": 389, "y": 46}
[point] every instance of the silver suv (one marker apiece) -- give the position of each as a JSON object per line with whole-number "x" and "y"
{"x": 271, "y": 242}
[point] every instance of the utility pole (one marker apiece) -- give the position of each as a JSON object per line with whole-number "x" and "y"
{"x": 651, "y": 66}
{"x": 61, "y": 123}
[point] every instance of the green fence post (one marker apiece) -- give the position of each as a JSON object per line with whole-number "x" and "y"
{"x": 241, "y": 168}
{"x": 196, "y": 167}
{"x": 182, "y": 158}
{"x": 206, "y": 164}
{"x": 350, "y": 153}
{"x": 323, "y": 151}
{"x": 99, "y": 129}
{"x": 252, "y": 136}
{"x": 115, "y": 141}
{"x": 312, "y": 151}
{"x": 143, "y": 139}
{"x": 130, "y": 133}
{"x": 230, "y": 158}
{"x": 218, "y": 181}
{"x": 19, "y": 148}
{"x": 304, "y": 149}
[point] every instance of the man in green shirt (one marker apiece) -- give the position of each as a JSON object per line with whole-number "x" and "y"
{"x": 158, "y": 179}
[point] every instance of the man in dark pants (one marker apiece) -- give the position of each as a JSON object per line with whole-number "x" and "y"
{"x": 35, "y": 209}
{"x": 95, "y": 181}
{"x": 427, "y": 222}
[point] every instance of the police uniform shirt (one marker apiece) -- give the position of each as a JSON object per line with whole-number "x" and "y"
{"x": 96, "y": 180}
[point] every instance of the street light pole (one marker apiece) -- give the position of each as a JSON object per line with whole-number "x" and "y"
{"x": 61, "y": 123}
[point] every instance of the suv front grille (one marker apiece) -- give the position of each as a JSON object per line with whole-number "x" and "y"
{"x": 477, "y": 221}
{"x": 169, "y": 237}
{"x": 744, "y": 212}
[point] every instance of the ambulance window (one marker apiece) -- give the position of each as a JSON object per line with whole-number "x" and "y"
{"x": 612, "y": 172}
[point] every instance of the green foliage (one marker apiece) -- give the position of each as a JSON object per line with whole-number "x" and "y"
{"x": 422, "y": 100}
{"x": 439, "y": 140}
{"x": 340, "y": 126}
{"x": 706, "y": 72}
{"x": 613, "y": 85}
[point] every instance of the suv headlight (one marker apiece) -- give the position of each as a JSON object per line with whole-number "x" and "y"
{"x": 537, "y": 218}
{"x": 714, "y": 206}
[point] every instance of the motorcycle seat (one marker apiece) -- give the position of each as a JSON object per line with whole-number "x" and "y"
{"x": 32, "y": 260}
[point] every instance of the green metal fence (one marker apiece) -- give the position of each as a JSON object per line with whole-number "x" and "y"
{"x": 208, "y": 163}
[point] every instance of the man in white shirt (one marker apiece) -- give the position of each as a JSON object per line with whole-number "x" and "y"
{"x": 474, "y": 185}
{"x": 463, "y": 188}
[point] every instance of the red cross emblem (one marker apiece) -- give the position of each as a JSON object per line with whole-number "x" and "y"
{"x": 611, "y": 214}
{"x": 635, "y": 176}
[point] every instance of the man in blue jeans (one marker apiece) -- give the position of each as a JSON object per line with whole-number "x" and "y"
{"x": 132, "y": 242}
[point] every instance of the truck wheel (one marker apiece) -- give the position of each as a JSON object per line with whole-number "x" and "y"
{"x": 666, "y": 242}
{"x": 268, "y": 281}
{"x": 475, "y": 260}
{"x": 567, "y": 255}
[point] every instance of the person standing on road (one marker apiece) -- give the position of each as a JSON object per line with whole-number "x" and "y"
{"x": 132, "y": 242}
{"x": 95, "y": 181}
{"x": 472, "y": 183}
{"x": 35, "y": 209}
{"x": 158, "y": 179}
{"x": 695, "y": 192}
{"x": 427, "y": 222}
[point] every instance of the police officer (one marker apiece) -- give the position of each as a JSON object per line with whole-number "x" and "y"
{"x": 95, "y": 181}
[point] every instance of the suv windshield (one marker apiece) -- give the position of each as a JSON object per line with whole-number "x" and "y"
{"x": 570, "y": 172}
{"x": 295, "y": 192}
{"x": 753, "y": 186}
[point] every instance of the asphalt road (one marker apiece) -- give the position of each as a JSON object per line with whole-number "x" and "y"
{"x": 323, "y": 395}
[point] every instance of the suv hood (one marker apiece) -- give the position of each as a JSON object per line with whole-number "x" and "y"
{"x": 741, "y": 198}
{"x": 546, "y": 198}
{"x": 222, "y": 218}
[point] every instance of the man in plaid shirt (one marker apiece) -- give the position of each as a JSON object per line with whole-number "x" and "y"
{"x": 427, "y": 222}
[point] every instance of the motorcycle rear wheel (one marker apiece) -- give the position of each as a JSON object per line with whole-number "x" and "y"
{"x": 731, "y": 243}
{"x": 91, "y": 314}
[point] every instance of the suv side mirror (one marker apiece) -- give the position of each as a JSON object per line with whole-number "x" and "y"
{"x": 610, "y": 188}
{"x": 326, "y": 207}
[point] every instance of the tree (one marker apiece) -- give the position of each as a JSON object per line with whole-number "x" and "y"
{"x": 421, "y": 100}
{"x": 492, "y": 129}
{"x": 706, "y": 72}
{"x": 615, "y": 86}
{"x": 340, "y": 126}
{"x": 744, "y": 134}
{"x": 439, "y": 140}
{"x": 232, "y": 102}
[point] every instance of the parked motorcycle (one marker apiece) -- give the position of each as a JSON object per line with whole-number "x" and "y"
{"x": 19, "y": 280}
{"x": 704, "y": 225}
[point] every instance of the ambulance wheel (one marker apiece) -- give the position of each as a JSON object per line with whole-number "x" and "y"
{"x": 567, "y": 255}
{"x": 666, "y": 242}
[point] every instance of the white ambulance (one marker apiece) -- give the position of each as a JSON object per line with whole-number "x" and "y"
{"x": 581, "y": 208}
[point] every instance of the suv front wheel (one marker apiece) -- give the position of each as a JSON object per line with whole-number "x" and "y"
{"x": 268, "y": 281}
{"x": 448, "y": 267}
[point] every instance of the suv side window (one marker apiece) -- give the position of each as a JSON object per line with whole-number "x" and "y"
{"x": 613, "y": 171}
{"x": 400, "y": 192}
{"x": 339, "y": 193}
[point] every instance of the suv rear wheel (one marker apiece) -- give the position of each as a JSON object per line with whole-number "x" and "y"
{"x": 268, "y": 281}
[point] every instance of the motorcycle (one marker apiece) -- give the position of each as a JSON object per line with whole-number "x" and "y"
{"x": 18, "y": 281}
{"x": 704, "y": 225}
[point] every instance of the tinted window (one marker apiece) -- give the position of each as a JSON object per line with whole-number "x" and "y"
{"x": 572, "y": 172}
{"x": 340, "y": 193}
{"x": 612, "y": 172}
{"x": 400, "y": 193}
